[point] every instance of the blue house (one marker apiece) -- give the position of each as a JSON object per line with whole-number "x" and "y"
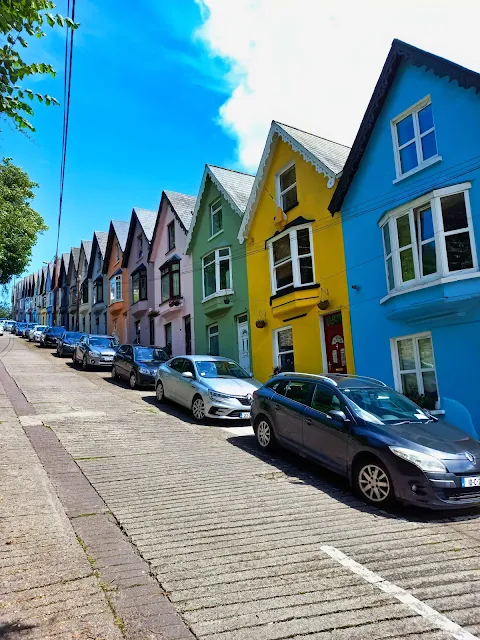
{"x": 409, "y": 198}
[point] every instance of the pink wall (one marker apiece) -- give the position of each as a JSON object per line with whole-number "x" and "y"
{"x": 159, "y": 255}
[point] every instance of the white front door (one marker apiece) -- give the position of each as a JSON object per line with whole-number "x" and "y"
{"x": 243, "y": 342}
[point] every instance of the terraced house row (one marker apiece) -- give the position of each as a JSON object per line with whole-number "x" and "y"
{"x": 328, "y": 259}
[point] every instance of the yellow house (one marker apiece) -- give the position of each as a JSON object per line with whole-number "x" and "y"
{"x": 297, "y": 284}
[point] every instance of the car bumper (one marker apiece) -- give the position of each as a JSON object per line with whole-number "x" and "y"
{"x": 145, "y": 380}
{"x": 66, "y": 348}
{"x": 228, "y": 410}
{"x": 99, "y": 361}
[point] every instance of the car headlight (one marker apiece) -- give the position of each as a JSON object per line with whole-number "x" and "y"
{"x": 145, "y": 371}
{"x": 215, "y": 395}
{"x": 420, "y": 460}
{"x": 95, "y": 354}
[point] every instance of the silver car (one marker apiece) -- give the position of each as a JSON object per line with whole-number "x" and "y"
{"x": 36, "y": 329}
{"x": 95, "y": 351}
{"x": 207, "y": 385}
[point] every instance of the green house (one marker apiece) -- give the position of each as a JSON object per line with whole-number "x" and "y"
{"x": 220, "y": 289}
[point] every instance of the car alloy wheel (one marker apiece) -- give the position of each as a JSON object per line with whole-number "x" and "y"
{"x": 114, "y": 373}
{"x": 84, "y": 363}
{"x": 374, "y": 483}
{"x": 133, "y": 381}
{"x": 264, "y": 434}
{"x": 198, "y": 408}
{"x": 159, "y": 392}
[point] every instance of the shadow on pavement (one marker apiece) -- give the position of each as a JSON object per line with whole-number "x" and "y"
{"x": 9, "y": 630}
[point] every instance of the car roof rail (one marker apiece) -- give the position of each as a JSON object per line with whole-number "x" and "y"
{"x": 351, "y": 375}
{"x": 306, "y": 375}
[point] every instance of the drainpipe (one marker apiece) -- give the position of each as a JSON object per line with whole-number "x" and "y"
{"x": 78, "y": 302}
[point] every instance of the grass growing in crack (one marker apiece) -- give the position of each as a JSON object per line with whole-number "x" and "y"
{"x": 89, "y": 557}
{"x": 92, "y": 458}
{"x": 48, "y": 427}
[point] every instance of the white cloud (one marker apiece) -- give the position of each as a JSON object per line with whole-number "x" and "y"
{"x": 313, "y": 64}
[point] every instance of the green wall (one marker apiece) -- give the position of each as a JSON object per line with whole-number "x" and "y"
{"x": 220, "y": 313}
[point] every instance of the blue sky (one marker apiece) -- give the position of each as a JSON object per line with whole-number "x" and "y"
{"x": 145, "y": 98}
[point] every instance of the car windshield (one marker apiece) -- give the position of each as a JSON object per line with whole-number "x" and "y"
{"x": 40, "y": 327}
{"x": 97, "y": 341}
{"x": 150, "y": 354}
{"x": 57, "y": 331}
{"x": 220, "y": 369}
{"x": 384, "y": 406}
{"x": 72, "y": 335}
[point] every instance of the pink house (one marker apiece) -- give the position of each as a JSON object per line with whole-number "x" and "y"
{"x": 173, "y": 277}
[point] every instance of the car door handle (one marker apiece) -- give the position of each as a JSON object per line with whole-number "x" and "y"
{"x": 308, "y": 421}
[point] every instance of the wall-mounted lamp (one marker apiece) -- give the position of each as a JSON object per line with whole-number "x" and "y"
{"x": 356, "y": 287}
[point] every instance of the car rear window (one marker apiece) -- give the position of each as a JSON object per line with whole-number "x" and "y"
{"x": 299, "y": 390}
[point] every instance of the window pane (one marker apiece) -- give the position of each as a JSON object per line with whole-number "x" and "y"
{"x": 216, "y": 221}
{"x": 281, "y": 249}
{"x": 429, "y": 258}
{"x": 224, "y": 252}
{"x": 209, "y": 258}
{"x": 209, "y": 279}
{"x": 213, "y": 329}
{"x": 175, "y": 266}
{"x": 303, "y": 240}
{"x": 425, "y": 118}
{"x": 214, "y": 345}
{"x": 306, "y": 270}
{"x": 426, "y": 224}
{"x": 299, "y": 391}
{"x": 287, "y": 178}
{"x": 287, "y": 362}
{"x": 409, "y": 384}
{"x": 325, "y": 400}
{"x": 459, "y": 252}
{"x": 391, "y": 279}
{"x": 408, "y": 157}
{"x": 224, "y": 274}
{"x": 429, "y": 145}
{"x": 285, "y": 340}
{"x": 289, "y": 199}
{"x": 403, "y": 229}
{"x": 430, "y": 385}
{"x": 454, "y": 212}
{"x": 165, "y": 287}
{"x": 284, "y": 275}
{"x": 405, "y": 130}
{"x": 176, "y": 283}
{"x": 406, "y": 354}
{"x": 426, "y": 353}
{"x": 386, "y": 239}
{"x": 407, "y": 264}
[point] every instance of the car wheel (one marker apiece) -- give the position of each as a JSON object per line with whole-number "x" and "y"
{"x": 160, "y": 392}
{"x": 372, "y": 481}
{"x": 198, "y": 408}
{"x": 84, "y": 363}
{"x": 264, "y": 434}
{"x": 133, "y": 381}
{"x": 114, "y": 373}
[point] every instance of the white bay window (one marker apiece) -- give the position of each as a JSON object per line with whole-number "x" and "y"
{"x": 430, "y": 238}
{"x": 291, "y": 259}
{"x": 217, "y": 273}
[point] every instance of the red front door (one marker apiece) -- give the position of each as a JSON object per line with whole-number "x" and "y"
{"x": 334, "y": 342}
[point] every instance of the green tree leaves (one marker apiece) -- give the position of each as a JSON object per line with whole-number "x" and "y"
{"x": 19, "y": 223}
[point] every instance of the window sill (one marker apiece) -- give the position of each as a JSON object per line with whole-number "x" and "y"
{"x": 445, "y": 280}
{"x": 424, "y": 165}
{"x": 292, "y": 289}
{"x": 170, "y": 250}
{"x": 219, "y": 294}
{"x": 215, "y": 235}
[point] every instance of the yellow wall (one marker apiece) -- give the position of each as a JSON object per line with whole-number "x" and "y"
{"x": 313, "y": 197}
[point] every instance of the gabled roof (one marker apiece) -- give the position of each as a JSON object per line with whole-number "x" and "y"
{"x": 326, "y": 156}
{"x": 74, "y": 257}
{"x": 99, "y": 241}
{"x": 234, "y": 186}
{"x": 119, "y": 230}
{"x": 146, "y": 220}
{"x": 87, "y": 249}
{"x": 399, "y": 52}
{"x": 182, "y": 207}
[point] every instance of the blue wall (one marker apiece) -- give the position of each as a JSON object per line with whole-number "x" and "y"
{"x": 450, "y": 311}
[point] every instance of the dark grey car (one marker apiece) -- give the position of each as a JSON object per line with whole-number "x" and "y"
{"x": 388, "y": 447}
{"x": 95, "y": 351}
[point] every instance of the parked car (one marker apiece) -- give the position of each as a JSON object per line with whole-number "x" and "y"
{"x": 18, "y": 328}
{"x": 36, "y": 327}
{"x": 95, "y": 351}
{"x": 388, "y": 447}
{"x": 38, "y": 332}
{"x": 207, "y": 385}
{"x": 50, "y": 336}
{"x": 67, "y": 342}
{"x": 138, "y": 364}
{"x": 26, "y": 329}
{"x": 10, "y": 325}
{"x": 1, "y": 329}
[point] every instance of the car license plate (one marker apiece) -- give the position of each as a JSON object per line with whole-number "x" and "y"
{"x": 245, "y": 416}
{"x": 107, "y": 358}
{"x": 473, "y": 481}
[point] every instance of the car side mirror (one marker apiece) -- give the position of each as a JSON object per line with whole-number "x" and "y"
{"x": 187, "y": 374}
{"x": 338, "y": 415}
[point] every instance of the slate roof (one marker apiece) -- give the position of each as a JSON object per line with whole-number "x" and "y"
{"x": 238, "y": 185}
{"x": 183, "y": 206}
{"x": 332, "y": 154}
{"x": 146, "y": 220}
{"x": 121, "y": 231}
{"x": 399, "y": 52}
{"x": 87, "y": 247}
{"x": 75, "y": 254}
{"x": 102, "y": 239}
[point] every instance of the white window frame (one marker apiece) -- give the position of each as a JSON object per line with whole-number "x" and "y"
{"x": 418, "y": 368}
{"x": 140, "y": 246}
{"x": 117, "y": 252}
{"x": 278, "y": 190}
{"x": 422, "y": 164}
{"x": 276, "y": 350}
{"x": 218, "y": 259}
{"x": 294, "y": 258}
{"x": 215, "y": 207}
{"x": 210, "y": 335}
{"x": 432, "y": 199}
{"x": 118, "y": 288}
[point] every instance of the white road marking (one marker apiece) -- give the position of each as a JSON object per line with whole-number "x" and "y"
{"x": 239, "y": 431}
{"x": 436, "y": 618}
